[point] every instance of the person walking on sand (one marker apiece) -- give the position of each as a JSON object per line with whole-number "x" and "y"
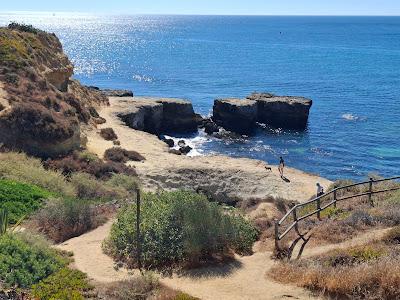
{"x": 320, "y": 190}
{"x": 281, "y": 166}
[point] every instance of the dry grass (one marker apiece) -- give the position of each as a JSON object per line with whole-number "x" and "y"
{"x": 20, "y": 167}
{"x": 62, "y": 219}
{"x": 142, "y": 287}
{"x": 365, "y": 272}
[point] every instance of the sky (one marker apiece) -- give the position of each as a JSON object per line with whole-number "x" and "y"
{"x": 211, "y": 7}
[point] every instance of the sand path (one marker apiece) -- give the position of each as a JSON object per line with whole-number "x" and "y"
{"x": 245, "y": 278}
{"x": 222, "y": 176}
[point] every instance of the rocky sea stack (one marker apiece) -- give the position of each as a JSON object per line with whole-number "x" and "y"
{"x": 41, "y": 108}
{"x": 159, "y": 115}
{"x": 242, "y": 115}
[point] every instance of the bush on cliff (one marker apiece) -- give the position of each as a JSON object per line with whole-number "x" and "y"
{"x": 88, "y": 163}
{"x": 62, "y": 219}
{"x": 108, "y": 134}
{"x": 178, "y": 228}
{"x": 25, "y": 260}
{"x": 20, "y": 199}
{"x": 120, "y": 155}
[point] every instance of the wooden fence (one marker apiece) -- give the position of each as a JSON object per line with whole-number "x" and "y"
{"x": 293, "y": 214}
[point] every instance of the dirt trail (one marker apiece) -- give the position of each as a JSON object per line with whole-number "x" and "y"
{"x": 245, "y": 278}
{"x": 89, "y": 257}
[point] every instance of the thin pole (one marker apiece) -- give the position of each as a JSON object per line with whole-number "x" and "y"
{"x": 138, "y": 240}
{"x": 371, "y": 180}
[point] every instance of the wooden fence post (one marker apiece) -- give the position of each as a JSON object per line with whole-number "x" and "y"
{"x": 138, "y": 236}
{"x": 371, "y": 180}
{"x": 334, "y": 198}
{"x": 319, "y": 208}
{"x": 277, "y": 235}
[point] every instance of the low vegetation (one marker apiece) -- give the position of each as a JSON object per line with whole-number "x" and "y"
{"x": 120, "y": 155}
{"x": 108, "y": 134}
{"x": 20, "y": 199}
{"x": 178, "y": 229}
{"x": 89, "y": 163}
{"x": 363, "y": 272}
{"x": 62, "y": 219}
{"x": 66, "y": 284}
{"x": 25, "y": 260}
{"x": 19, "y": 167}
{"x": 146, "y": 286}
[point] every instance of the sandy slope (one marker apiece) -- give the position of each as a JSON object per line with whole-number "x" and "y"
{"x": 221, "y": 175}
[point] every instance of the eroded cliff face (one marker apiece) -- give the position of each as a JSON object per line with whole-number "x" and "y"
{"x": 41, "y": 108}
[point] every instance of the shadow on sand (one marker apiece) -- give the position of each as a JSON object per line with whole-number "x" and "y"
{"x": 221, "y": 270}
{"x": 285, "y": 179}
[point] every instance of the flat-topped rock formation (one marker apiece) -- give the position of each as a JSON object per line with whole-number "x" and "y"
{"x": 241, "y": 115}
{"x": 112, "y": 92}
{"x": 290, "y": 112}
{"x": 158, "y": 115}
{"x": 236, "y": 115}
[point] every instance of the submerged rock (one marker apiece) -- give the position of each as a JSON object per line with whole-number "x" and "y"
{"x": 237, "y": 115}
{"x": 185, "y": 149}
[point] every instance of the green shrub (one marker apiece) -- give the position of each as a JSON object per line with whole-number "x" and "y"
{"x": 62, "y": 219}
{"x": 20, "y": 167}
{"x": 23, "y": 27}
{"x": 66, "y": 284}
{"x": 178, "y": 228}
{"x": 25, "y": 261}
{"x": 20, "y": 199}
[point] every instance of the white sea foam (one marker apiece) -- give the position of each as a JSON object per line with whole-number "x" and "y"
{"x": 350, "y": 117}
{"x": 195, "y": 143}
{"x": 144, "y": 78}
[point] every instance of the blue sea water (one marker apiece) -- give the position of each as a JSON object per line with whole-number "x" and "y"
{"x": 349, "y": 66}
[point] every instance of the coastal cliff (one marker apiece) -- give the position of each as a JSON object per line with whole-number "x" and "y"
{"x": 41, "y": 108}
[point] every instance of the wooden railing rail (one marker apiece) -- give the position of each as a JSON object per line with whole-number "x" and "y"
{"x": 293, "y": 212}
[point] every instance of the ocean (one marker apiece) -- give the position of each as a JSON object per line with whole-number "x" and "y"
{"x": 349, "y": 67}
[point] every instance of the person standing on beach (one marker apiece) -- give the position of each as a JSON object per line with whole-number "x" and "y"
{"x": 320, "y": 190}
{"x": 281, "y": 166}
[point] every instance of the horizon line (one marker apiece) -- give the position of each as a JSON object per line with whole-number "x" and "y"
{"x": 192, "y": 14}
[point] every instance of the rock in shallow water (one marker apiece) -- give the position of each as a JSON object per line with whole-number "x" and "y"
{"x": 242, "y": 115}
{"x": 237, "y": 115}
{"x": 288, "y": 112}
